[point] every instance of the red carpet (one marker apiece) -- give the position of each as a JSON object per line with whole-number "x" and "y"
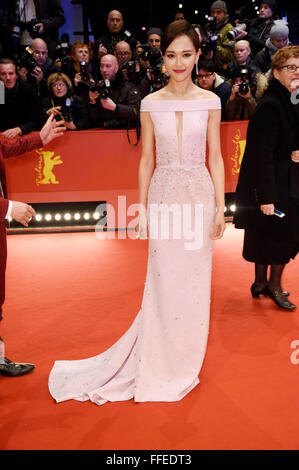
{"x": 70, "y": 296}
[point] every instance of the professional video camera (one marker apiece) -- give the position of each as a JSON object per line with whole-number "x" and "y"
{"x": 27, "y": 60}
{"x": 209, "y": 44}
{"x": 103, "y": 87}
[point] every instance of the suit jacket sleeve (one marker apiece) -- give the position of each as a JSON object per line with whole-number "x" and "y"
{"x": 11, "y": 148}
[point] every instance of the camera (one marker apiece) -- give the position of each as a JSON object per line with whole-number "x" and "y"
{"x": 158, "y": 77}
{"x": 66, "y": 110}
{"x": 132, "y": 69}
{"x": 32, "y": 27}
{"x": 209, "y": 44}
{"x": 62, "y": 56}
{"x": 234, "y": 32}
{"x": 154, "y": 57}
{"x": 27, "y": 60}
{"x": 83, "y": 71}
{"x": 102, "y": 87}
{"x": 244, "y": 86}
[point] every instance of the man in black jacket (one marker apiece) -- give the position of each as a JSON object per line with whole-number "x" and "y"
{"x": 120, "y": 109}
{"x": 49, "y": 15}
{"x": 258, "y": 31}
{"x": 116, "y": 33}
{"x": 21, "y": 112}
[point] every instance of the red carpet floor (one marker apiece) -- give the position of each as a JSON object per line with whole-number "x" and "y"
{"x": 70, "y": 296}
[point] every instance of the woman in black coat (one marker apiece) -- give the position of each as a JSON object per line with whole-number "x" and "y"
{"x": 64, "y": 104}
{"x": 269, "y": 180}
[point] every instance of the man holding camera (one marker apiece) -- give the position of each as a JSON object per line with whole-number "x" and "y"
{"x": 35, "y": 66}
{"x": 20, "y": 113}
{"x": 114, "y": 101}
{"x": 37, "y": 18}
{"x": 222, "y": 49}
{"x": 106, "y": 43}
{"x": 241, "y": 103}
{"x": 258, "y": 30}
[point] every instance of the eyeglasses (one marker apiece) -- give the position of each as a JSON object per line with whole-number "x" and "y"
{"x": 204, "y": 76}
{"x": 290, "y": 68}
{"x": 58, "y": 85}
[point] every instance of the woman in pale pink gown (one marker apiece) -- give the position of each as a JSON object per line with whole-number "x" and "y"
{"x": 160, "y": 356}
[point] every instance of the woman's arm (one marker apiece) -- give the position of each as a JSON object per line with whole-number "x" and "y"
{"x": 216, "y": 169}
{"x": 146, "y": 168}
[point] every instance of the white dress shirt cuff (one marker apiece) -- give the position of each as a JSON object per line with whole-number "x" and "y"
{"x": 8, "y": 213}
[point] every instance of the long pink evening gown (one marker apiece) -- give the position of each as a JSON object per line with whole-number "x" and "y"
{"x": 161, "y": 354}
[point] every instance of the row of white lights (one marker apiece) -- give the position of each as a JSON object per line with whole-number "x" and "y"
{"x": 67, "y": 216}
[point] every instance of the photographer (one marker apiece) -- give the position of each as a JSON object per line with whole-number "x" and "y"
{"x": 64, "y": 104}
{"x": 246, "y": 91}
{"x": 243, "y": 57}
{"x": 154, "y": 37}
{"x": 279, "y": 37}
{"x": 221, "y": 49}
{"x": 258, "y": 30}
{"x": 35, "y": 66}
{"x": 152, "y": 64}
{"x": 20, "y": 113}
{"x": 106, "y": 43}
{"x": 114, "y": 104}
{"x": 37, "y": 18}
{"x": 208, "y": 79}
{"x": 122, "y": 52}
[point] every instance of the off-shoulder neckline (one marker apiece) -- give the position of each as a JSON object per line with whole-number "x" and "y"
{"x": 181, "y": 101}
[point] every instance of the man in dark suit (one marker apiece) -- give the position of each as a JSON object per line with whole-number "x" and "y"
{"x": 48, "y": 16}
{"x": 18, "y": 211}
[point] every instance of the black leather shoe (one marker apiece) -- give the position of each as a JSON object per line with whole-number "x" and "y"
{"x": 14, "y": 369}
{"x": 256, "y": 291}
{"x": 279, "y": 297}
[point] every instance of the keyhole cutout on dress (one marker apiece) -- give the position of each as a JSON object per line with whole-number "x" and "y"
{"x": 179, "y": 130}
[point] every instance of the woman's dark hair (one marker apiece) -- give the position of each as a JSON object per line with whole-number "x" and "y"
{"x": 176, "y": 29}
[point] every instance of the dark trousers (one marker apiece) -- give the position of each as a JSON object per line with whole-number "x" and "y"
{"x": 3, "y": 256}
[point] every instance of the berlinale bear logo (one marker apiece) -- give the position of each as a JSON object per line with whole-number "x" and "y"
{"x": 45, "y": 166}
{"x": 238, "y": 153}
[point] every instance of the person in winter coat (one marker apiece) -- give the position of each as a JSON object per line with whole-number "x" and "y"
{"x": 269, "y": 180}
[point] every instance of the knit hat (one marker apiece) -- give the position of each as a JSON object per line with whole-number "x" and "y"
{"x": 279, "y": 29}
{"x": 271, "y": 4}
{"x": 219, "y": 4}
{"x": 157, "y": 31}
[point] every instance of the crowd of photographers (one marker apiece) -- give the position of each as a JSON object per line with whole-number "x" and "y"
{"x": 101, "y": 84}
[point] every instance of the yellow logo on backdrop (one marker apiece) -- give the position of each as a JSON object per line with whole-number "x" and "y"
{"x": 45, "y": 166}
{"x": 239, "y": 152}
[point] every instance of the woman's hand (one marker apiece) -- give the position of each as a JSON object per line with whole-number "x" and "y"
{"x": 55, "y": 111}
{"x": 219, "y": 226}
{"x": 141, "y": 227}
{"x": 77, "y": 79}
{"x": 267, "y": 209}
{"x": 295, "y": 156}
